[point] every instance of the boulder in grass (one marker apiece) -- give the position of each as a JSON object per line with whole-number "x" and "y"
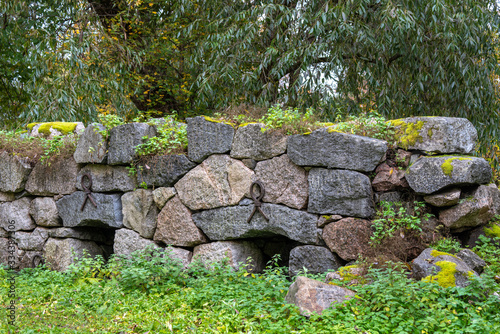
{"x": 60, "y": 253}
{"x": 313, "y": 296}
{"x": 328, "y": 148}
{"x": 431, "y": 174}
{"x": 442, "y": 135}
{"x": 207, "y": 136}
{"x": 314, "y": 259}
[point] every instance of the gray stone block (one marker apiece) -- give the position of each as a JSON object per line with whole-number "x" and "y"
{"x": 236, "y": 251}
{"x": 207, "y": 137}
{"x": 123, "y": 140}
{"x": 92, "y": 147}
{"x": 314, "y": 259}
{"x": 253, "y": 143}
{"x": 14, "y": 172}
{"x": 15, "y": 216}
{"x": 340, "y": 192}
{"x": 58, "y": 178}
{"x": 108, "y": 178}
{"x": 164, "y": 170}
{"x": 60, "y": 253}
{"x": 44, "y": 211}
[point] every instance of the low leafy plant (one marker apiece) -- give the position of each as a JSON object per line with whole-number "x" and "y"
{"x": 447, "y": 245}
{"x": 171, "y": 138}
{"x": 370, "y": 124}
{"x": 290, "y": 120}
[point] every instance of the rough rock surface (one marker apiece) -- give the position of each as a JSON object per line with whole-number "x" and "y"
{"x": 107, "y": 178}
{"x": 253, "y": 143}
{"x": 284, "y": 182}
{"x": 60, "y": 253}
{"x": 349, "y": 238}
{"x": 389, "y": 178}
{"x": 107, "y": 214}
{"x": 236, "y": 251}
{"x": 128, "y": 241}
{"x": 179, "y": 254}
{"x": 325, "y": 220}
{"x": 33, "y": 241}
{"x": 140, "y": 212}
{"x": 472, "y": 260}
{"x": 14, "y": 172}
{"x": 429, "y": 264}
{"x": 176, "y": 226}
{"x": 57, "y": 178}
{"x": 92, "y": 147}
{"x": 164, "y": 170}
{"x": 445, "y": 198}
{"x": 16, "y": 214}
{"x": 436, "y": 134}
{"x": 474, "y": 210}
{"x": 44, "y": 211}
{"x": 231, "y": 223}
{"x": 219, "y": 181}
{"x": 30, "y": 259}
{"x": 207, "y": 137}
{"x": 162, "y": 195}
{"x": 340, "y": 192}
{"x": 7, "y": 197}
{"x": 313, "y": 296}
{"x": 314, "y": 259}
{"x": 123, "y": 140}
{"x": 94, "y": 234}
{"x": 430, "y": 174}
{"x": 327, "y": 148}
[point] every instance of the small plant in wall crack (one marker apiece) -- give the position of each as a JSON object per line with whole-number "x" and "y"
{"x": 393, "y": 217}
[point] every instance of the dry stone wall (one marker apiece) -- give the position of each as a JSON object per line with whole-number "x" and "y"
{"x": 319, "y": 192}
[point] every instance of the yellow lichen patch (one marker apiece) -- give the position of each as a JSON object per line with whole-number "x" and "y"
{"x": 494, "y": 231}
{"x": 436, "y": 253}
{"x": 213, "y": 120}
{"x": 407, "y": 133}
{"x": 31, "y": 125}
{"x": 447, "y": 167}
{"x": 245, "y": 124}
{"x": 446, "y": 276}
{"x": 332, "y": 129}
{"x": 63, "y": 127}
{"x": 429, "y": 133}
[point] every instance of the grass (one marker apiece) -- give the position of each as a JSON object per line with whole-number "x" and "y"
{"x": 153, "y": 294}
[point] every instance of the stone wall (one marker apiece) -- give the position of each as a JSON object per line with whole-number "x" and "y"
{"x": 313, "y": 194}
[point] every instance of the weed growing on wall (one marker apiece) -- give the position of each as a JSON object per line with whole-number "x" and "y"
{"x": 171, "y": 138}
{"x": 447, "y": 245}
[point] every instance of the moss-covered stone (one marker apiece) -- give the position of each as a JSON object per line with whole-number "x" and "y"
{"x": 31, "y": 125}
{"x": 408, "y": 133}
{"x": 63, "y": 127}
{"x": 446, "y": 276}
{"x": 437, "y": 253}
{"x": 493, "y": 231}
{"x": 447, "y": 167}
{"x": 213, "y": 120}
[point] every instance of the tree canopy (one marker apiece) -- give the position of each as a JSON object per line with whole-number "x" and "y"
{"x": 70, "y": 59}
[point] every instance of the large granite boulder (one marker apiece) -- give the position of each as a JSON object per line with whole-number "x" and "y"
{"x": 237, "y": 252}
{"x": 349, "y": 238}
{"x": 313, "y": 296}
{"x": 107, "y": 214}
{"x": 176, "y": 226}
{"x": 123, "y": 140}
{"x": 14, "y": 172}
{"x": 207, "y": 137}
{"x": 231, "y": 223}
{"x": 32, "y": 241}
{"x": 472, "y": 260}
{"x": 60, "y": 253}
{"x": 475, "y": 209}
{"x": 92, "y": 146}
{"x": 448, "y": 197}
{"x": 328, "y": 148}
{"x": 107, "y": 178}
{"x": 284, "y": 182}
{"x": 219, "y": 181}
{"x": 164, "y": 170}
{"x": 58, "y": 178}
{"x": 314, "y": 259}
{"x": 162, "y": 195}
{"x": 44, "y": 211}
{"x": 340, "y": 192}
{"x": 98, "y": 235}
{"x": 436, "y": 134}
{"x": 15, "y": 216}
{"x": 445, "y": 269}
{"x": 430, "y": 174}
{"x": 252, "y": 141}
{"x": 128, "y": 241}
{"x": 140, "y": 212}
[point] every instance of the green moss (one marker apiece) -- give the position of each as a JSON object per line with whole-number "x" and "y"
{"x": 332, "y": 129}
{"x": 245, "y": 124}
{"x": 213, "y": 120}
{"x": 494, "y": 231}
{"x": 63, "y": 127}
{"x": 446, "y": 276}
{"x": 447, "y": 167}
{"x": 437, "y": 253}
{"x": 326, "y": 217}
{"x": 408, "y": 133}
{"x": 31, "y": 125}
{"x": 429, "y": 133}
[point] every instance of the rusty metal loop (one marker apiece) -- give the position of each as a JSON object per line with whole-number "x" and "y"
{"x": 257, "y": 199}
{"x": 40, "y": 261}
{"x": 88, "y": 190}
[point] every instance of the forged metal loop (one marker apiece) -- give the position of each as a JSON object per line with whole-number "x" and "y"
{"x": 87, "y": 189}
{"x": 257, "y": 199}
